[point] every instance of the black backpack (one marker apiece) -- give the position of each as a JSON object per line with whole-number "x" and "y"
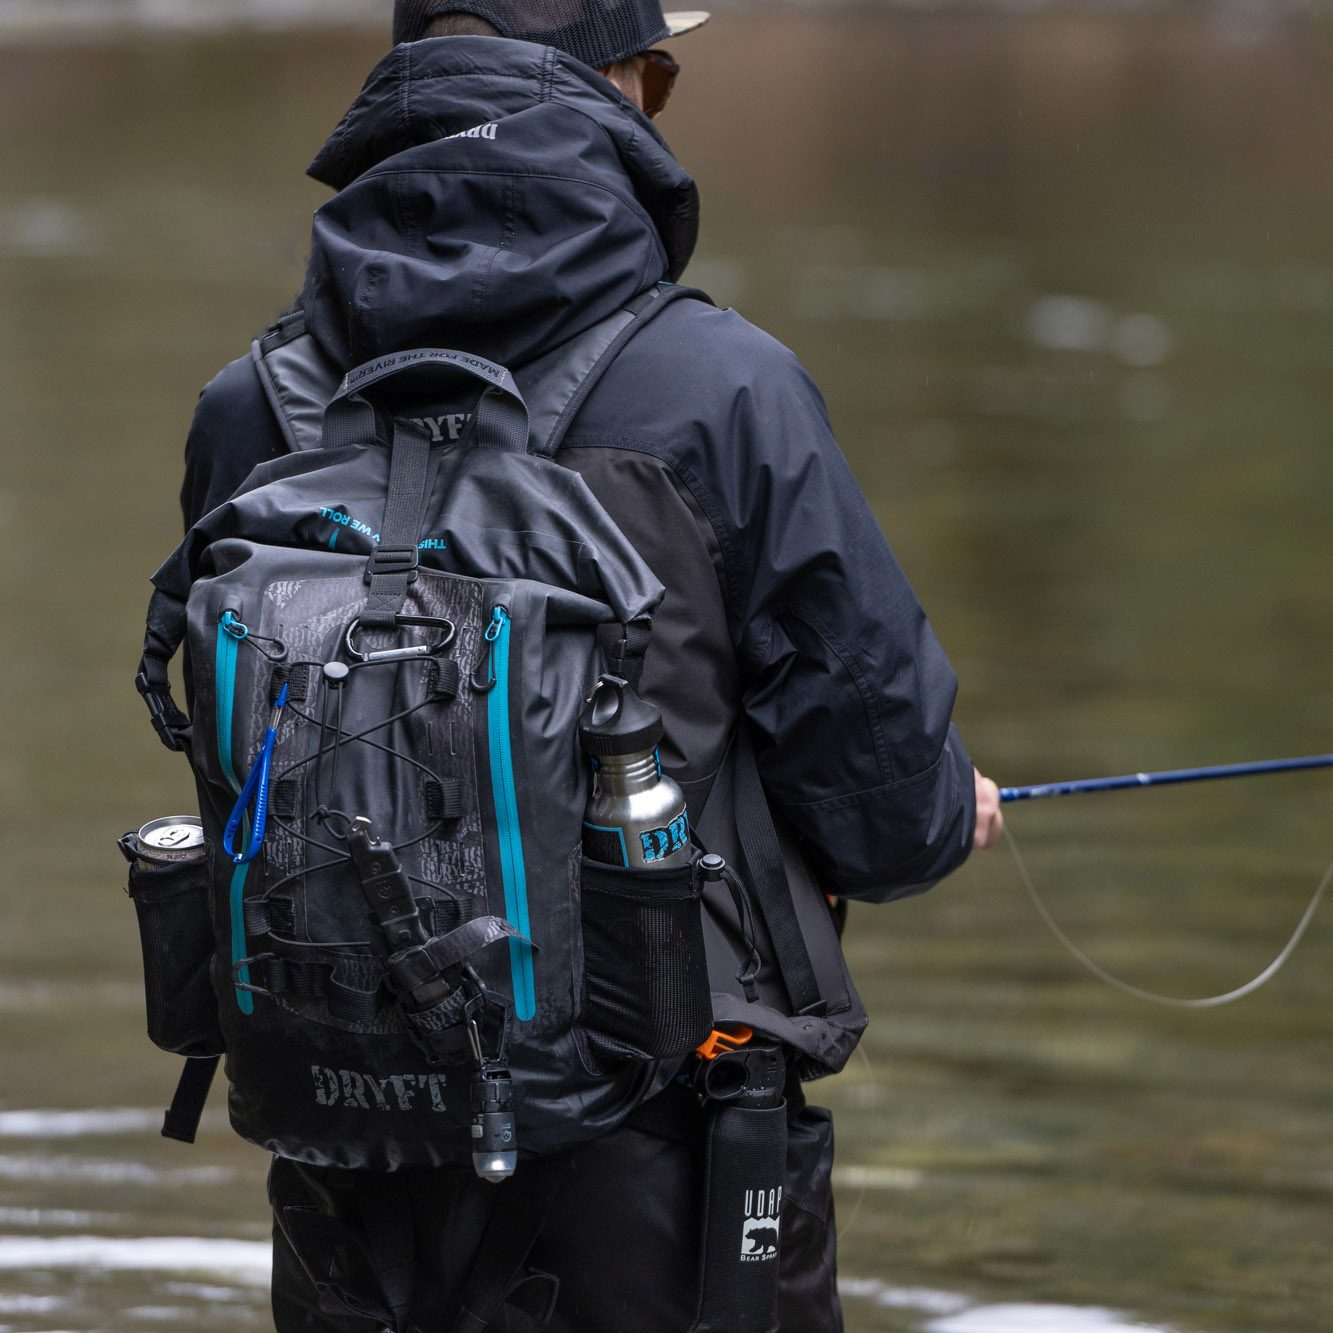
{"x": 395, "y": 938}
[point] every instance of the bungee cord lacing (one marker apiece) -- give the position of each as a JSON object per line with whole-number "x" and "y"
{"x": 325, "y": 747}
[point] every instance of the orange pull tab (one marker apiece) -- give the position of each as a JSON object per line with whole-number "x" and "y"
{"x": 720, "y": 1041}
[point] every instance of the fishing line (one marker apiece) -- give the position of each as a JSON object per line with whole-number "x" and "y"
{"x": 1208, "y": 1002}
{"x": 865, "y": 1177}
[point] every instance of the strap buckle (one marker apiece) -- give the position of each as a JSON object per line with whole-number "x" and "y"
{"x": 164, "y": 715}
{"x": 393, "y": 560}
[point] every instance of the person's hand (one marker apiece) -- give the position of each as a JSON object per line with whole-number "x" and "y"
{"x": 990, "y": 822}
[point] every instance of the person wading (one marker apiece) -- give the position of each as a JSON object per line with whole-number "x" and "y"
{"x": 805, "y": 700}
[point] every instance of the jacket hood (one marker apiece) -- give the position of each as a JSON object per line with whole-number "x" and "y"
{"x": 494, "y": 196}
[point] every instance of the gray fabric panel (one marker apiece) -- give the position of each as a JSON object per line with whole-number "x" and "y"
{"x": 550, "y": 382}
{"x": 490, "y": 514}
{"x": 299, "y": 381}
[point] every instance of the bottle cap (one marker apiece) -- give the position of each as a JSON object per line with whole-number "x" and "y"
{"x": 615, "y": 721}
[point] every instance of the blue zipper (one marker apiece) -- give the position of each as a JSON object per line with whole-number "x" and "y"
{"x": 230, "y": 634}
{"x": 506, "y": 815}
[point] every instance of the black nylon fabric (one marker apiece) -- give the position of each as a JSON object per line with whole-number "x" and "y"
{"x": 477, "y": 521}
{"x": 613, "y": 1238}
{"x": 564, "y": 206}
{"x": 522, "y": 565}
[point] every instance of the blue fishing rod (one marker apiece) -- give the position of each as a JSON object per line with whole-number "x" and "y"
{"x": 1164, "y": 778}
{"x": 1161, "y": 779}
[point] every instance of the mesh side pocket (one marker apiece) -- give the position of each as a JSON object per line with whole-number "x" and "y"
{"x": 176, "y": 935}
{"x": 647, "y": 991}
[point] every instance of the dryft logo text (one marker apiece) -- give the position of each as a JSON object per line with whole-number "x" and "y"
{"x": 365, "y": 1092}
{"x": 448, "y": 427}
{"x": 486, "y": 131}
{"x": 759, "y": 1232}
{"x": 663, "y": 841}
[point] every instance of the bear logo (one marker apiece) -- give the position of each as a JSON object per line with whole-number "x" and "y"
{"x": 760, "y": 1230}
{"x": 759, "y": 1238}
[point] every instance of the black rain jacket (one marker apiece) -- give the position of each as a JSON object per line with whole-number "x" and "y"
{"x": 500, "y": 197}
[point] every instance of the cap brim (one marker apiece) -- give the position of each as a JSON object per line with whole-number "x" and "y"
{"x": 685, "y": 20}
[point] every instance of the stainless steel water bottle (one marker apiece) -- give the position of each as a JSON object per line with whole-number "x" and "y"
{"x": 636, "y": 815}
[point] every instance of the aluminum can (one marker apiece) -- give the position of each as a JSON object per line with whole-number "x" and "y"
{"x": 170, "y": 840}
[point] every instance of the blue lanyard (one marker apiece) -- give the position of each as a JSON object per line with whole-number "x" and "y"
{"x": 256, "y": 791}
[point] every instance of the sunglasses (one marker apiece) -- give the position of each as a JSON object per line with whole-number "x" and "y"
{"x": 659, "y": 78}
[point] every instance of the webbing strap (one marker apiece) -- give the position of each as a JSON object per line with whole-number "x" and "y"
{"x": 626, "y": 657}
{"x": 298, "y": 380}
{"x": 644, "y": 307}
{"x": 445, "y": 951}
{"x": 767, "y": 875}
{"x": 500, "y": 421}
{"x": 187, "y": 1106}
{"x": 361, "y": 995}
{"x": 759, "y": 839}
{"x": 551, "y": 380}
{"x": 393, "y": 563}
{"x": 521, "y": 1210}
{"x": 353, "y": 999}
{"x": 163, "y": 635}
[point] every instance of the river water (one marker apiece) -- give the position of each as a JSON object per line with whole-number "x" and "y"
{"x": 1066, "y": 280}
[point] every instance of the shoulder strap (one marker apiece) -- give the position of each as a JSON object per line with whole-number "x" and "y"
{"x": 500, "y": 1272}
{"x": 556, "y": 385}
{"x": 766, "y": 873}
{"x": 299, "y": 380}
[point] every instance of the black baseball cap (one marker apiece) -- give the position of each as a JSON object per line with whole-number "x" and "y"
{"x": 597, "y": 32}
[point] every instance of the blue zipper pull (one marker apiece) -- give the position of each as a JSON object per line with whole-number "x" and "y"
{"x": 256, "y": 790}
{"x": 499, "y": 619}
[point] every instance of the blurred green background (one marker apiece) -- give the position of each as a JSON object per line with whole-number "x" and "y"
{"x": 1065, "y": 276}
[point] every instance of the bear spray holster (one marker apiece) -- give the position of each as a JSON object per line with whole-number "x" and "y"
{"x": 740, "y": 1081}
